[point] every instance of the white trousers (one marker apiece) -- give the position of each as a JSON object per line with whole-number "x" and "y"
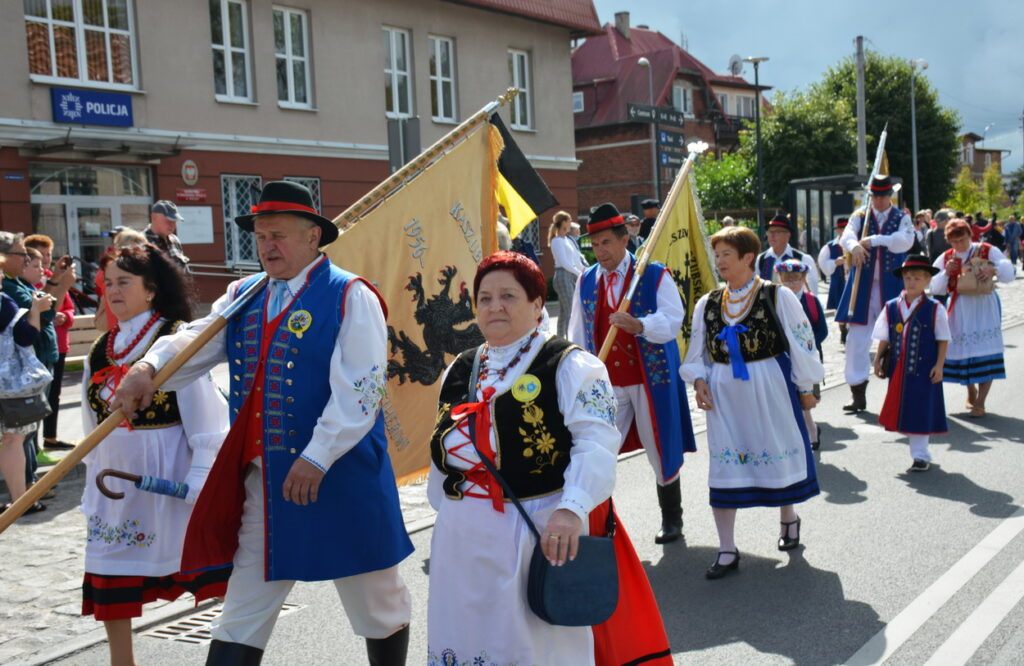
{"x": 858, "y": 342}
{"x": 632, "y": 405}
{"x": 377, "y": 603}
{"x": 919, "y": 447}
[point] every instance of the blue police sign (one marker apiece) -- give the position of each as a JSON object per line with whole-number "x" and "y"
{"x": 91, "y": 107}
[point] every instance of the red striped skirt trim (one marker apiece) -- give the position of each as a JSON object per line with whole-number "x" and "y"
{"x": 122, "y": 597}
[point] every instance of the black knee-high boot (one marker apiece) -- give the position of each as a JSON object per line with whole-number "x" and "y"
{"x": 671, "y": 502}
{"x": 860, "y": 401}
{"x": 390, "y": 651}
{"x": 223, "y": 653}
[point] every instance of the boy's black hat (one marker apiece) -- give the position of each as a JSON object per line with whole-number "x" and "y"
{"x": 918, "y": 261}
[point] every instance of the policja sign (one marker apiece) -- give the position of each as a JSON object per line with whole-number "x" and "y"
{"x": 91, "y": 107}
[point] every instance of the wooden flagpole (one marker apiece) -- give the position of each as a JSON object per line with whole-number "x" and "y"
{"x": 644, "y": 259}
{"x": 855, "y": 270}
{"x": 92, "y": 440}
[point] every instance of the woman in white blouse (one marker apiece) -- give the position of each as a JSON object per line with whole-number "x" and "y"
{"x": 753, "y": 365}
{"x": 975, "y": 354}
{"x": 568, "y": 266}
{"x": 548, "y": 411}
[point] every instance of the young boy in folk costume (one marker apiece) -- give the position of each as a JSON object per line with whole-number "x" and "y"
{"x": 914, "y": 329}
{"x": 792, "y": 274}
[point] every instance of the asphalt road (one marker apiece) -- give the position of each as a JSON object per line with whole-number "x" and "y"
{"x": 906, "y": 569}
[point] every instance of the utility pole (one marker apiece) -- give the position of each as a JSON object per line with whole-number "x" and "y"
{"x": 862, "y": 132}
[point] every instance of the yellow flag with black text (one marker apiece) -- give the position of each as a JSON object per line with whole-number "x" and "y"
{"x": 683, "y": 248}
{"x": 420, "y": 248}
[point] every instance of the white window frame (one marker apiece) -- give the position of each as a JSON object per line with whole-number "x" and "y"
{"x": 969, "y": 154}
{"x": 231, "y": 208}
{"x": 393, "y": 74}
{"x": 988, "y": 159}
{"x": 291, "y": 59}
{"x": 227, "y": 50}
{"x": 682, "y": 98}
{"x": 438, "y": 79}
{"x": 577, "y": 101}
{"x": 745, "y": 106}
{"x": 80, "y": 27}
{"x": 723, "y": 101}
{"x": 522, "y": 109}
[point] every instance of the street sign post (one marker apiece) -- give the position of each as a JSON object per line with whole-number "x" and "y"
{"x": 673, "y": 139}
{"x": 667, "y": 160}
{"x": 645, "y": 113}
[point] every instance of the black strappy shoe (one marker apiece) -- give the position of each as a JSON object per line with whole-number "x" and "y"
{"x": 717, "y": 570}
{"x": 787, "y": 543}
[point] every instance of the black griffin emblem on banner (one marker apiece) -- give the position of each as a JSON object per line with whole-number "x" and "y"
{"x": 441, "y": 318}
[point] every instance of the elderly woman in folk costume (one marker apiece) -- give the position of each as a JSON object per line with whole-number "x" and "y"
{"x": 968, "y": 271}
{"x": 554, "y": 441}
{"x": 133, "y": 548}
{"x": 753, "y": 364}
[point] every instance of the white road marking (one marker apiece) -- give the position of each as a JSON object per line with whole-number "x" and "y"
{"x": 970, "y": 635}
{"x": 882, "y": 645}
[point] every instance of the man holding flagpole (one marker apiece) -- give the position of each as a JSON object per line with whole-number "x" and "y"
{"x": 303, "y": 487}
{"x": 877, "y": 246}
{"x": 644, "y": 358}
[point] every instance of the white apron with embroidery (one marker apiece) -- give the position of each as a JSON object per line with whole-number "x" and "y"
{"x": 479, "y": 558}
{"x": 753, "y": 438}
{"x": 142, "y": 534}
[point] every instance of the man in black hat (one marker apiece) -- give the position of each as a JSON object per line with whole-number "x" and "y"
{"x": 162, "y": 230}
{"x": 877, "y": 239}
{"x": 644, "y": 360}
{"x": 651, "y": 208}
{"x": 779, "y": 250}
{"x": 307, "y": 450}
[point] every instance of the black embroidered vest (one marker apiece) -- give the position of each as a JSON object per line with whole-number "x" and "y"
{"x": 764, "y": 337}
{"x": 531, "y": 440}
{"x": 162, "y": 413}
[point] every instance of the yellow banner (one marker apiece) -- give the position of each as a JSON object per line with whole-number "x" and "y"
{"x": 683, "y": 248}
{"x": 420, "y": 248}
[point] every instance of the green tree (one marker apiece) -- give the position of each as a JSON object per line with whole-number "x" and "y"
{"x": 992, "y": 192}
{"x": 727, "y": 182}
{"x": 1016, "y": 185}
{"x": 965, "y": 195}
{"x": 805, "y": 134}
{"x": 887, "y": 99}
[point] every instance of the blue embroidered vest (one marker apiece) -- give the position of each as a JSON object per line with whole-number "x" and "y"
{"x": 922, "y": 407}
{"x": 356, "y": 525}
{"x": 891, "y": 285}
{"x": 665, "y": 390}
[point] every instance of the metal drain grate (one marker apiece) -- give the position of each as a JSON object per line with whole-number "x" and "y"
{"x": 196, "y": 628}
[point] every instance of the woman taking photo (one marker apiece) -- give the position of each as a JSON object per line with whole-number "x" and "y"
{"x": 967, "y": 272}
{"x": 554, "y": 441}
{"x": 753, "y": 365}
{"x": 568, "y": 266}
{"x": 21, "y": 331}
{"x": 133, "y": 546}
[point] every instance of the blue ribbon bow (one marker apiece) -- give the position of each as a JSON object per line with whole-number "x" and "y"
{"x": 731, "y": 335}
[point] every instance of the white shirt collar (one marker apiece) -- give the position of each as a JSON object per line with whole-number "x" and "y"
{"x": 788, "y": 250}
{"x": 621, "y": 269}
{"x": 884, "y": 213}
{"x": 296, "y": 283}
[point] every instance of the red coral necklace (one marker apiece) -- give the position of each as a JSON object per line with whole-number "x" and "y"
{"x": 138, "y": 338}
{"x": 501, "y": 372}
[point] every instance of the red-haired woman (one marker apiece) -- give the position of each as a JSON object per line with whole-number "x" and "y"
{"x": 133, "y": 546}
{"x": 548, "y": 411}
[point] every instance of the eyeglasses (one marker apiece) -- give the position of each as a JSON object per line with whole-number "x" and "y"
{"x": 16, "y": 254}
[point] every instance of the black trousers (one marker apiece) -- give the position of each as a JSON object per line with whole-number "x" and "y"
{"x": 50, "y": 423}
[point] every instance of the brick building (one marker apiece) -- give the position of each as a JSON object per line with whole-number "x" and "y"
{"x": 615, "y": 152}
{"x": 113, "y": 104}
{"x": 979, "y": 159}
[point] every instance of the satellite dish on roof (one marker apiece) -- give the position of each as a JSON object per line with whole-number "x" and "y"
{"x": 735, "y": 65}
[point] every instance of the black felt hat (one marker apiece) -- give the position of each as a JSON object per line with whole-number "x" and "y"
{"x": 780, "y": 221}
{"x": 604, "y": 216}
{"x": 285, "y": 197}
{"x": 650, "y": 203}
{"x": 882, "y": 186}
{"x": 918, "y": 261}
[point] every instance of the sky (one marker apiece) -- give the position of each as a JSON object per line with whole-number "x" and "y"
{"x": 975, "y": 50}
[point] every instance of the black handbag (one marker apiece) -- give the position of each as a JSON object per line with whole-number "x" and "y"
{"x": 18, "y": 412}
{"x": 582, "y": 592}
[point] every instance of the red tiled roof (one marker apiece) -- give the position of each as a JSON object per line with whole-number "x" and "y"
{"x": 579, "y": 16}
{"x": 609, "y": 61}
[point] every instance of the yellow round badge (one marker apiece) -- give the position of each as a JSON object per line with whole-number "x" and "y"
{"x": 899, "y": 328}
{"x": 526, "y": 388}
{"x": 299, "y": 322}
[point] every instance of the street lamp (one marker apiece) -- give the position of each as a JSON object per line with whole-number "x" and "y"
{"x": 645, "y": 63}
{"x": 757, "y": 60}
{"x": 914, "y": 64}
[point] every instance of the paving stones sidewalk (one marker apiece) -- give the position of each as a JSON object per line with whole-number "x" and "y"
{"x": 41, "y": 555}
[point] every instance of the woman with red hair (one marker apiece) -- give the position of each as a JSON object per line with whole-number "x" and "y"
{"x": 542, "y": 411}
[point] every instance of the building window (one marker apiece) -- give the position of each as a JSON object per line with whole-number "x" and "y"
{"x": 723, "y": 101}
{"x": 89, "y": 41}
{"x": 745, "y": 107}
{"x": 577, "y": 102}
{"x": 291, "y": 48}
{"x": 682, "y": 98}
{"x": 519, "y": 76}
{"x": 313, "y": 185}
{"x": 397, "y": 74}
{"x": 988, "y": 160}
{"x": 229, "y": 33}
{"x": 238, "y": 195}
{"x": 969, "y": 154}
{"x": 442, "y": 79}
